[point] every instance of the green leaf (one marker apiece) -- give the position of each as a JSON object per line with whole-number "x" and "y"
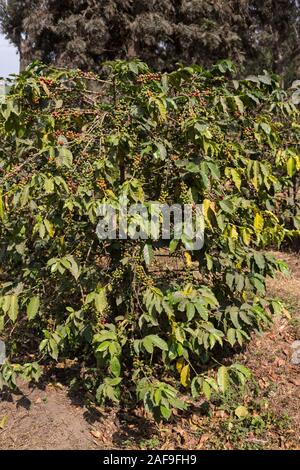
{"x": 227, "y": 206}
{"x": 234, "y": 316}
{"x": 259, "y": 260}
{"x": 101, "y": 301}
{"x": 33, "y": 307}
{"x": 206, "y": 389}
{"x": 113, "y": 382}
{"x": 148, "y": 254}
{"x": 214, "y": 170}
{"x": 74, "y": 268}
{"x": 231, "y": 336}
{"x": 1, "y": 324}
{"x": 239, "y": 104}
{"x": 65, "y": 157}
{"x": 223, "y": 379}
{"x": 173, "y": 245}
{"x": 148, "y": 345}
{"x": 160, "y": 343}
{"x": 13, "y": 308}
{"x": 266, "y": 128}
{"x": 244, "y": 370}
{"x": 115, "y": 366}
{"x": 165, "y": 412}
{"x": 190, "y": 311}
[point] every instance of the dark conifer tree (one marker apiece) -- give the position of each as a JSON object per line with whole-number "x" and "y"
{"x": 83, "y": 33}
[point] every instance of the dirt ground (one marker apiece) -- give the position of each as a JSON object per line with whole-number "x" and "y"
{"x": 48, "y": 417}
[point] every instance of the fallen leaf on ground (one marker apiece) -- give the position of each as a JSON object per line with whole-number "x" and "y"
{"x": 241, "y": 411}
{"x": 96, "y": 434}
{"x": 3, "y": 422}
{"x": 296, "y": 381}
{"x": 279, "y": 362}
{"x": 204, "y": 438}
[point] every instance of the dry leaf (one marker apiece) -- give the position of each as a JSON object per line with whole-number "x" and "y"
{"x": 202, "y": 440}
{"x": 296, "y": 381}
{"x": 279, "y": 362}
{"x": 167, "y": 446}
{"x": 96, "y": 434}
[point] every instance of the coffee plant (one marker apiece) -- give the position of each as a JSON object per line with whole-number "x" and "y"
{"x": 147, "y": 320}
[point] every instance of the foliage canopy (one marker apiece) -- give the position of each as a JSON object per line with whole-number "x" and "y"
{"x": 71, "y": 140}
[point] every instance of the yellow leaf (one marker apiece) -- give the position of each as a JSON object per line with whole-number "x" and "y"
{"x": 233, "y": 233}
{"x": 255, "y": 179}
{"x": 188, "y": 290}
{"x": 50, "y": 228}
{"x": 185, "y": 376}
{"x": 246, "y": 235}
{"x": 161, "y": 107}
{"x": 188, "y": 259}
{"x": 291, "y": 166}
{"x": 3, "y": 422}
{"x": 206, "y": 206}
{"x": 180, "y": 364}
{"x": 258, "y": 222}
{"x": 236, "y": 178}
{"x": 208, "y": 211}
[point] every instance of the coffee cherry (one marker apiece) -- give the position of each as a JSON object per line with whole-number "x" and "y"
{"x": 102, "y": 184}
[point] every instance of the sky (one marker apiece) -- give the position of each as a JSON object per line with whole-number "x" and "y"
{"x": 9, "y": 59}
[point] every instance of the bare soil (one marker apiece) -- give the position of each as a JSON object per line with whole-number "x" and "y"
{"x": 48, "y": 417}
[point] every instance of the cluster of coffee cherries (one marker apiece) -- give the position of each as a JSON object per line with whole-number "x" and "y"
{"x": 74, "y": 113}
{"x": 149, "y": 93}
{"x": 72, "y": 185}
{"x": 141, "y": 276}
{"x": 227, "y": 152}
{"x": 47, "y": 81}
{"x": 137, "y": 160}
{"x": 87, "y": 75}
{"x": 198, "y": 95}
{"x": 102, "y": 184}
{"x": 13, "y": 171}
{"x": 184, "y": 193}
{"x": 72, "y": 135}
{"x": 102, "y": 318}
{"x": 148, "y": 77}
{"x": 248, "y": 132}
{"x": 163, "y": 197}
{"x": 118, "y": 275}
{"x": 140, "y": 273}
{"x": 237, "y": 114}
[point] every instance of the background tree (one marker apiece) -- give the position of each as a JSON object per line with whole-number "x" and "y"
{"x": 83, "y": 33}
